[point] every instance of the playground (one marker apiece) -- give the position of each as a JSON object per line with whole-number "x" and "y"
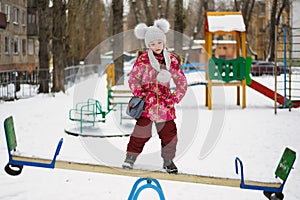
{"x": 255, "y": 135}
{"x": 222, "y": 141}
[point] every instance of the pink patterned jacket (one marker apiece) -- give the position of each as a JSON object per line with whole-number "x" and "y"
{"x": 159, "y": 99}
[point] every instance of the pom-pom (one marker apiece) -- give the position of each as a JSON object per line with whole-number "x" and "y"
{"x": 164, "y": 76}
{"x": 140, "y": 30}
{"x": 162, "y": 24}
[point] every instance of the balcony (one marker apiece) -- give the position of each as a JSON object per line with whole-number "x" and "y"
{"x": 3, "y": 22}
{"x": 31, "y": 3}
{"x": 32, "y": 29}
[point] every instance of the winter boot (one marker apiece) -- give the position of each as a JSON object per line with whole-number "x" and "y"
{"x": 170, "y": 167}
{"x": 129, "y": 161}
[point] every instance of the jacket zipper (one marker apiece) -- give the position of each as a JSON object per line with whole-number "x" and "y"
{"x": 156, "y": 99}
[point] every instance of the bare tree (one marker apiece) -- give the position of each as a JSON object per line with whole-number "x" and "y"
{"x": 74, "y": 34}
{"x": 149, "y": 20}
{"x": 58, "y": 44}
{"x": 44, "y": 35}
{"x": 167, "y": 9}
{"x": 276, "y": 13}
{"x": 117, "y": 8}
{"x": 179, "y": 26}
{"x": 204, "y": 6}
{"x": 86, "y": 28}
{"x": 159, "y": 9}
{"x": 200, "y": 20}
{"x": 136, "y": 11}
{"x": 246, "y": 7}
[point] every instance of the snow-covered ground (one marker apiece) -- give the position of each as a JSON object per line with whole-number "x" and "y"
{"x": 255, "y": 134}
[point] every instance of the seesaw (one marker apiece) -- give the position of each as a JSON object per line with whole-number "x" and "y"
{"x": 272, "y": 190}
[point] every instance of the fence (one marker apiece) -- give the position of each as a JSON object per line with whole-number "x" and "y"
{"x": 75, "y": 74}
{"x": 16, "y": 84}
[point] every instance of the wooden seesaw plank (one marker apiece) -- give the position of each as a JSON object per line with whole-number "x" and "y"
{"x": 219, "y": 181}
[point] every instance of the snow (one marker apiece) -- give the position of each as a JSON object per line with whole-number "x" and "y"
{"x": 226, "y": 23}
{"x": 255, "y": 134}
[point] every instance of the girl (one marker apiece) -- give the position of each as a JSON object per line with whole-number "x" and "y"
{"x": 150, "y": 79}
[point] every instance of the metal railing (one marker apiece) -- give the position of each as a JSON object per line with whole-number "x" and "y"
{"x": 17, "y": 83}
{"x": 75, "y": 74}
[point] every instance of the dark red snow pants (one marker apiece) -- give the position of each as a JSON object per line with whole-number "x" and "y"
{"x": 167, "y": 132}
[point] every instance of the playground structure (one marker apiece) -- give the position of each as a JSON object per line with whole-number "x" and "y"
{"x": 227, "y": 73}
{"x": 92, "y": 111}
{"x": 288, "y": 55}
{"x": 234, "y": 72}
{"x": 270, "y": 189}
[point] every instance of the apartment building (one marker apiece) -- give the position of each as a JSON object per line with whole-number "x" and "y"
{"x": 19, "y": 46}
{"x": 260, "y": 27}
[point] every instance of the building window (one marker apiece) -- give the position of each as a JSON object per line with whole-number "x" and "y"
{"x": 24, "y": 46}
{"x": 31, "y": 18}
{"x": 30, "y": 47}
{"x": 16, "y": 15}
{"x": 16, "y": 45}
{"x": 7, "y": 12}
{"x": 6, "y": 50}
{"x": 36, "y": 47}
{"x": 23, "y": 17}
{"x": 262, "y": 9}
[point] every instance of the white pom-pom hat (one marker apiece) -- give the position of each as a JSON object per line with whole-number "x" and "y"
{"x": 155, "y": 32}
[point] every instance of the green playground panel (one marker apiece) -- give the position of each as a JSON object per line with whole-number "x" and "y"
{"x": 227, "y": 70}
{"x": 285, "y": 165}
{"x": 10, "y": 133}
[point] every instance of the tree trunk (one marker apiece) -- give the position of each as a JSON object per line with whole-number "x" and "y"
{"x": 272, "y": 31}
{"x": 199, "y": 24}
{"x": 148, "y": 13}
{"x": 275, "y": 19}
{"x": 205, "y": 5}
{"x": 73, "y": 32}
{"x": 159, "y": 9}
{"x": 86, "y": 27}
{"x": 248, "y": 16}
{"x": 246, "y": 7}
{"x": 167, "y": 9}
{"x": 137, "y": 13}
{"x": 117, "y": 7}
{"x": 43, "y": 15}
{"x": 178, "y": 27}
{"x": 58, "y": 44}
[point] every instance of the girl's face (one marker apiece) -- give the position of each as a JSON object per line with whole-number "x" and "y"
{"x": 156, "y": 46}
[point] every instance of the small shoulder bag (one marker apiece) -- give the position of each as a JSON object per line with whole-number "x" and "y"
{"x": 135, "y": 107}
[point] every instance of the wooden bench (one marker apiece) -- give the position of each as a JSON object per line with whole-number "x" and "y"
{"x": 119, "y": 97}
